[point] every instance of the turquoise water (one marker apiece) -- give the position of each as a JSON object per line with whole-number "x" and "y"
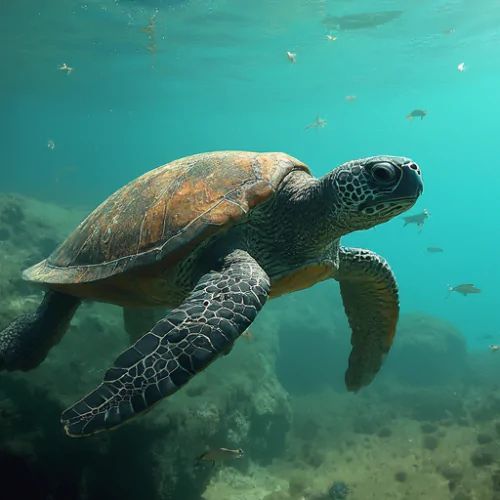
{"x": 220, "y": 78}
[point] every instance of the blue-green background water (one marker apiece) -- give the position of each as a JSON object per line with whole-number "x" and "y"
{"x": 222, "y": 81}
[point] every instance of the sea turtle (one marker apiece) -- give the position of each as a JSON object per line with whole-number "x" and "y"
{"x": 417, "y": 113}
{"x": 212, "y": 237}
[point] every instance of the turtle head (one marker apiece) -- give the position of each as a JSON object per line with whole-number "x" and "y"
{"x": 373, "y": 190}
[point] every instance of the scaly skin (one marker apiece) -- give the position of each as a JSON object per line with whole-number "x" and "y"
{"x": 287, "y": 241}
{"x": 219, "y": 309}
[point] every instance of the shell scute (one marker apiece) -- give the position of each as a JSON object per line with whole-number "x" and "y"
{"x": 165, "y": 213}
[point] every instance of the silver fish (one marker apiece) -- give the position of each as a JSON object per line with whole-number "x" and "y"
{"x": 220, "y": 455}
{"x": 464, "y": 289}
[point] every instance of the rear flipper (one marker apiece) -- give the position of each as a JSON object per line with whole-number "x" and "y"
{"x": 220, "y": 308}
{"x": 25, "y": 343}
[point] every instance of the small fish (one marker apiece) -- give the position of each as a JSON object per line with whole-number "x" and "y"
{"x": 291, "y": 57}
{"x": 464, "y": 289}
{"x": 351, "y": 97}
{"x": 417, "y": 219}
{"x": 220, "y": 455}
{"x": 461, "y": 67}
{"x": 416, "y": 113}
{"x": 435, "y": 250}
{"x": 51, "y": 144}
{"x": 319, "y": 122}
{"x": 494, "y": 348}
{"x": 332, "y": 38}
{"x": 247, "y": 334}
{"x": 66, "y": 68}
{"x": 448, "y": 32}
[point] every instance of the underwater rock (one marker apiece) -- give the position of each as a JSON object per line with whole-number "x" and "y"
{"x": 270, "y": 413}
{"x": 298, "y": 484}
{"x": 35, "y": 228}
{"x": 152, "y": 457}
{"x": 428, "y": 428}
{"x": 483, "y": 456}
{"x": 483, "y": 438}
{"x": 487, "y": 409}
{"x": 312, "y": 455}
{"x": 450, "y": 472}
{"x": 313, "y": 340}
{"x": 277, "y": 495}
{"x": 426, "y": 341}
{"x": 495, "y": 481}
{"x": 401, "y": 476}
{"x": 384, "y": 432}
{"x": 462, "y": 496}
{"x": 430, "y": 442}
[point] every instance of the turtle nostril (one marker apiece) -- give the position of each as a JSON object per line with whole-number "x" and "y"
{"x": 413, "y": 166}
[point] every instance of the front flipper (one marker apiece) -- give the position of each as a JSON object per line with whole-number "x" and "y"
{"x": 220, "y": 308}
{"x": 371, "y": 301}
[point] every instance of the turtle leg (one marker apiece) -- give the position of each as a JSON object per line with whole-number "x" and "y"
{"x": 25, "y": 343}
{"x": 137, "y": 321}
{"x": 220, "y": 308}
{"x": 371, "y": 301}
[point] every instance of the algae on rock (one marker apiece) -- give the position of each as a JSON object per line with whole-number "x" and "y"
{"x": 236, "y": 402}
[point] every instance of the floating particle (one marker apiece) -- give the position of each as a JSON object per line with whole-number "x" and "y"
{"x": 66, "y": 68}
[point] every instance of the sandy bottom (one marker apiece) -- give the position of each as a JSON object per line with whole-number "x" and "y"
{"x": 382, "y": 468}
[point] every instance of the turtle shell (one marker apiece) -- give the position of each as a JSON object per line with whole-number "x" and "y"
{"x": 163, "y": 215}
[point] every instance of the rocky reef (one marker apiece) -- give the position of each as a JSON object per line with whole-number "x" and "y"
{"x": 439, "y": 343}
{"x": 237, "y": 402}
{"x": 428, "y": 427}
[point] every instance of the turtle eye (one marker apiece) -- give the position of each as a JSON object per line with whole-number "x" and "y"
{"x": 385, "y": 173}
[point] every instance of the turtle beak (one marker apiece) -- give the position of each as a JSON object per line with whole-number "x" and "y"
{"x": 411, "y": 184}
